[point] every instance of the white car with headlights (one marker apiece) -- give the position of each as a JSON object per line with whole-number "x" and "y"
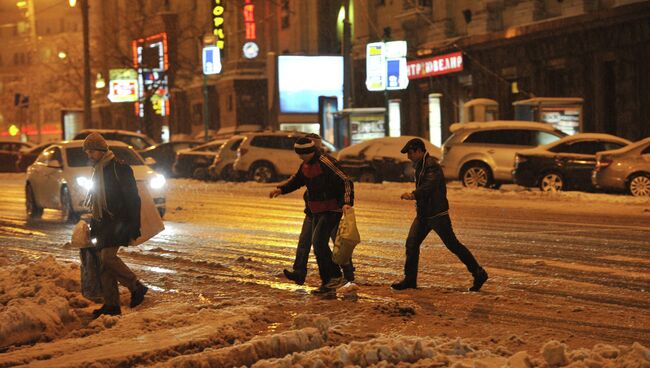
{"x": 61, "y": 177}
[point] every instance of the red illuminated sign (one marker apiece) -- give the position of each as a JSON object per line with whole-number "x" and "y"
{"x": 437, "y": 65}
{"x": 217, "y": 17}
{"x": 249, "y": 20}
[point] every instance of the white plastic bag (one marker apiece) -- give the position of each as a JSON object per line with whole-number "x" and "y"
{"x": 81, "y": 235}
{"x": 150, "y": 222}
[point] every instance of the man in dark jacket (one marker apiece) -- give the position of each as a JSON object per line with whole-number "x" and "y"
{"x": 330, "y": 190}
{"x": 299, "y": 272}
{"x": 115, "y": 206}
{"x": 432, "y": 209}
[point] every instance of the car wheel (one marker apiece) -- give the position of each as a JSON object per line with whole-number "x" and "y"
{"x": 639, "y": 185}
{"x": 368, "y": 176}
{"x": 476, "y": 175}
{"x": 262, "y": 172}
{"x": 161, "y": 211}
{"x": 67, "y": 211}
{"x": 200, "y": 173}
{"x": 227, "y": 173}
{"x": 551, "y": 182}
{"x": 33, "y": 210}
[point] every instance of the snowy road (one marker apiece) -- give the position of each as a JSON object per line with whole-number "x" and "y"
{"x": 573, "y": 267}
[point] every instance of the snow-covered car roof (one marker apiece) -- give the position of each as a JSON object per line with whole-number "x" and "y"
{"x": 501, "y": 124}
{"x": 627, "y": 148}
{"x": 391, "y": 147}
{"x": 576, "y": 137}
{"x": 80, "y": 143}
{"x": 203, "y": 146}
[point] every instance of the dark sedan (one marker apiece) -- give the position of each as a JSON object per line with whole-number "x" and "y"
{"x": 26, "y": 158}
{"x": 565, "y": 164}
{"x": 194, "y": 162}
{"x": 9, "y": 151}
{"x": 165, "y": 154}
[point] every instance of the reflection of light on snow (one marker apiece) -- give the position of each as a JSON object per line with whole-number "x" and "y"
{"x": 159, "y": 269}
{"x": 161, "y": 290}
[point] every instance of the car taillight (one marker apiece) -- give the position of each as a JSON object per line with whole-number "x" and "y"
{"x": 602, "y": 162}
{"x": 242, "y": 151}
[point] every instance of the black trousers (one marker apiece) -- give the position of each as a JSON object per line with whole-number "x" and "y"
{"x": 420, "y": 228}
{"x": 304, "y": 247}
{"x": 321, "y": 228}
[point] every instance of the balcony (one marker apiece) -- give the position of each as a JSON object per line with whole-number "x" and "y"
{"x": 414, "y": 13}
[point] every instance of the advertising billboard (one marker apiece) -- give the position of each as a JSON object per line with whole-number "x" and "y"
{"x": 302, "y": 79}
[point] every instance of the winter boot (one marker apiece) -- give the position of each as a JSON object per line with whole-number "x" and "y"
{"x": 295, "y": 276}
{"x": 335, "y": 282}
{"x": 111, "y": 310}
{"x": 404, "y": 284}
{"x": 137, "y": 295}
{"x": 323, "y": 290}
{"x": 480, "y": 277}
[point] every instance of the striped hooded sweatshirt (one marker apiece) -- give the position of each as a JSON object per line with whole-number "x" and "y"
{"x": 328, "y": 186}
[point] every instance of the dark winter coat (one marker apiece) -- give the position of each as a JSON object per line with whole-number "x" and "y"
{"x": 123, "y": 223}
{"x": 430, "y": 188}
{"x": 327, "y": 185}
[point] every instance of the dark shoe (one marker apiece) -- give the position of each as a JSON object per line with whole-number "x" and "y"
{"x": 296, "y": 277}
{"x": 323, "y": 290}
{"x": 404, "y": 284}
{"x": 137, "y": 296}
{"x": 335, "y": 282}
{"x": 111, "y": 310}
{"x": 480, "y": 277}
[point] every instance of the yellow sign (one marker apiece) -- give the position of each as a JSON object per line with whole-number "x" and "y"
{"x": 13, "y": 130}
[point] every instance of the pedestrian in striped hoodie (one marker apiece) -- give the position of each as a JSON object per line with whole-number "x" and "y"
{"x": 330, "y": 190}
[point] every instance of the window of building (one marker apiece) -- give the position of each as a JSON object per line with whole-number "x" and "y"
{"x": 285, "y": 12}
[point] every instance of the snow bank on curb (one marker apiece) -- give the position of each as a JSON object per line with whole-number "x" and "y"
{"x": 437, "y": 352}
{"x": 37, "y": 300}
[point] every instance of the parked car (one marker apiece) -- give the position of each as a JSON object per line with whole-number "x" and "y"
{"x": 194, "y": 162}
{"x": 165, "y": 154}
{"x": 9, "y": 152}
{"x": 221, "y": 167}
{"x": 61, "y": 177}
{"x": 564, "y": 164}
{"x": 136, "y": 140}
{"x": 483, "y": 154}
{"x": 380, "y": 159}
{"x": 624, "y": 169}
{"x": 269, "y": 156}
{"x": 26, "y": 158}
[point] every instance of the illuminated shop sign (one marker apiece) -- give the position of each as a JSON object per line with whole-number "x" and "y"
{"x": 150, "y": 59}
{"x": 250, "y": 49}
{"x": 123, "y": 85}
{"x": 217, "y": 17}
{"x": 437, "y": 65}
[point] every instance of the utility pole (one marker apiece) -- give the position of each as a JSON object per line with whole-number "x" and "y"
{"x": 83, "y": 4}
{"x": 346, "y": 50}
{"x": 86, "y": 57}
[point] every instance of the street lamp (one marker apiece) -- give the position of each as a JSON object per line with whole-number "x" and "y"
{"x": 83, "y": 5}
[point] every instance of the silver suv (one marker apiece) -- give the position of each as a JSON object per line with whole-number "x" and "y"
{"x": 483, "y": 154}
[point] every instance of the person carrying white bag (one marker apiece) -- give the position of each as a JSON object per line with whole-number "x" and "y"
{"x": 116, "y": 206}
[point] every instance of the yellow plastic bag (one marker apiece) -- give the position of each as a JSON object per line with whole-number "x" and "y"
{"x": 347, "y": 237}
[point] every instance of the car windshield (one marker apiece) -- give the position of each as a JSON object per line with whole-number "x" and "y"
{"x": 78, "y": 158}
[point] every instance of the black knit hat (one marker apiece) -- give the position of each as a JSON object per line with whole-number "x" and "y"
{"x": 304, "y": 146}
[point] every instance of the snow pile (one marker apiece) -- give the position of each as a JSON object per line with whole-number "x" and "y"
{"x": 437, "y": 352}
{"x": 37, "y": 300}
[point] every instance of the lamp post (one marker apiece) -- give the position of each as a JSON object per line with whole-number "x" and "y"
{"x": 83, "y": 5}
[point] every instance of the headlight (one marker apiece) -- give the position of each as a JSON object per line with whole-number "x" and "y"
{"x": 85, "y": 183}
{"x": 157, "y": 182}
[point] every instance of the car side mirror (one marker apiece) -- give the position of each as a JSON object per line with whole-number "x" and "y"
{"x": 55, "y": 164}
{"x": 149, "y": 161}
